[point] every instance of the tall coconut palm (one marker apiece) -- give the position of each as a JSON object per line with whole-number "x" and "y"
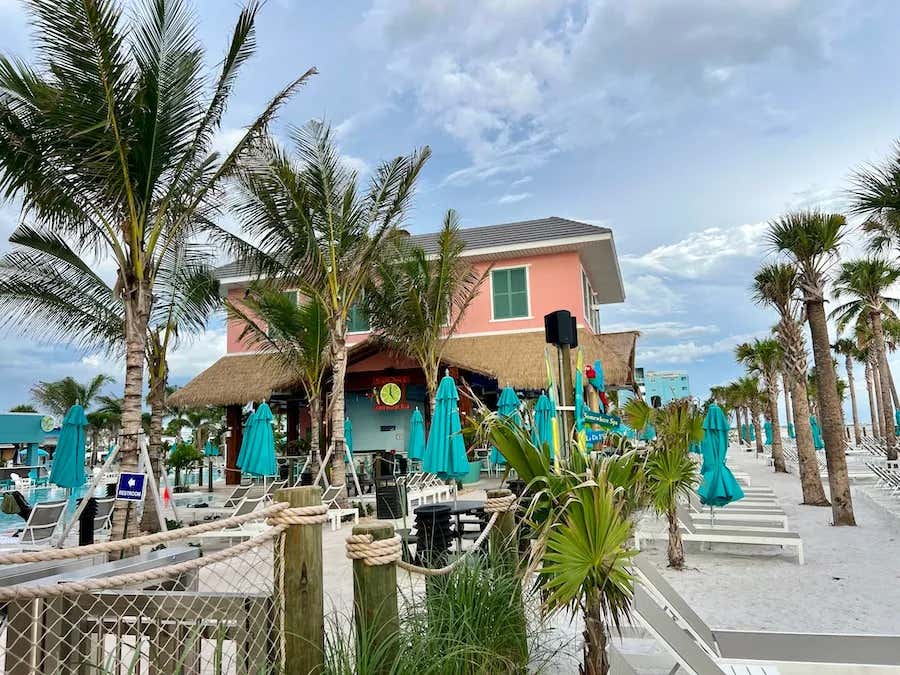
{"x": 109, "y": 142}
{"x": 323, "y": 235}
{"x": 765, "y": 358}
{"x": 46, "y": 289}
{"x": 749, "y": 388}
{"x": 866, "y": 282}
{"x": 775, "y": 286}
{"x": 297, "y": 334}
{"x": 417, "y": 300}
{"x": 58, "y": 396}
{"x": 847, "y": 348}
{"x": 810, "y": 239}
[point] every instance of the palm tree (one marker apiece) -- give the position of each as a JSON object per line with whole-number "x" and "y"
{"x": 748, "y": 387}
{"x": 765, "y": 357}
{"x": 109, "y": 143}
{"x": 671, "y": 473}
{"x": 297, "y": 334}
{"x": 322, "y": 235}
{"x": 866, "y": 282}
{"x": 775, "y": 286}
{"x": 416, "y": 301}
{"x": 58, "y": 396}
{"x": 847, "y": 348}
{"x": 811, "y": 240}
{"x": 45, "y": 287}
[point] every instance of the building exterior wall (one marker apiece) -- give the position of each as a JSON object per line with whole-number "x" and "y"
{"x": 554, "y": 281}
{"x": 667, "y": 385}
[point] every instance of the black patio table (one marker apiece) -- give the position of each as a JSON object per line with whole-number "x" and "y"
{"x": 462, "y": 507}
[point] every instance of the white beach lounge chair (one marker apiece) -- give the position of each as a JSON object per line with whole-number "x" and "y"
{"x": 40, "y": 527}
{"x": 243, "y": 531}
{"x": 701, "y": 650}
{"x": 335, "y": 513}
{"x": 21, "y": 483}
{"x": 237, "y": 496}
{"x": 726, "y": 535}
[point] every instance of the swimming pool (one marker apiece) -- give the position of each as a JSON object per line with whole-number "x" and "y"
{"x": 47, "y": 494}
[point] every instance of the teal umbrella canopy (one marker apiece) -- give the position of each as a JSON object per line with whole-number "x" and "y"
{"x": 579, "y": 401}
{"x": 348, "y": 440}
{"x": 210, "y": 450}
{"x": 791, "y": 432}
{"x": 767, "y": 427}
{"x": 68, "y": 459}
{"x": 649, "y": 432}
{"x": 897, "y": 422}
{"x": 751, "y": 431}
{"x": 542, "y": 434}
{"x": 445, "y": 451}
{"x": 718, "y": 486}
{"x": 507, "y": 406}
{"x": 416, "y": 447}
{"x": 816, "y": 433}
{"x": 257, "y": 455}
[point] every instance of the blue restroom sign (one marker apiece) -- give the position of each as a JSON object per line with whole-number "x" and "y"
{"x": 131, "y": 487}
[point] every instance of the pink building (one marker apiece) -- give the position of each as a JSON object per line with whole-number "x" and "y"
{"x": 534, "y": 267}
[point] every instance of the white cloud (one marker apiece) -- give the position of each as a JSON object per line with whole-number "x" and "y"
{"x": 690, "y": 351}
{"x": 226, "y": 139}
{"x": 196, "y": 355}
{"x": 513, "y": 198}
{"x": 522, "y": 181}
{"x": 664, "y": 329}
{"x": 357, "y": 164}
{"x": 704, "y": 253}
{"x": 651, "y": 294}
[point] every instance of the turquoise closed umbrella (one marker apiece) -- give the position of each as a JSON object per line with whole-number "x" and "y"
{"x": 791, "y": 432}
{"x": 752, "y": 432}
{"x": 816, "y": 433}
{"x": 210, "y": 450}
{"x": 257, "y": 455}
{"x": 415, "y": 449}
{"x": 718, "y": 486}
{"x": 68, "y": 459}
{"x": 445, "y": 451}
{"x": 767, "y": 427}
{"x": 542, "y": 433}
{"x": 348, "y": 440}
{"x": 507, "y": 406}
{"x": 897, "y": 422}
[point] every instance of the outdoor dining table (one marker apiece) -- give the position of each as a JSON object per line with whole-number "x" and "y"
{"x": 462, "y": 507}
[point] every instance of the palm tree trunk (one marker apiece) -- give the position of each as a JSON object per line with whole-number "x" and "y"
{"x": 596, "y": 660}
{"x": 830, "y": 409}
{"x": 870, "y": 390}
{"x": 810, "y": 480}
{"x": 137, "y": 312}
{"x": 150, "y": 519}
{"x": 884, "y": 378}
{"x": 788, "y": 405}
{"x": 757, "y": 428}
{"x": 338, "y": 375}
{"x": 777, "y": 448}
{"x": 675, "y": 550}
{"x": 848, "y": 364}
{"x": 876, "y": 380}
{"x": 315, "y": 431}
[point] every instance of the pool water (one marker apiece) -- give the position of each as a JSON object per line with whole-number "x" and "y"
{"x": 12, "y": 522}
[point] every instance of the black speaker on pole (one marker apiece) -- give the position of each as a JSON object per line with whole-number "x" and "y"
{"x": 560, "y": 328}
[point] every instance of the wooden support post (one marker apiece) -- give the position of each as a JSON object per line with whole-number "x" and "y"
{"x": 375, "y": 597}
{"x": 567, "y": 397}
{"x": 302, "y": 591}
{"x": 502, "y": 541}
{"x": 233, "y": 444}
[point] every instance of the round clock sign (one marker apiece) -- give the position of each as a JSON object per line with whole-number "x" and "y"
{"x": 390, "y": 394}
{"x": 48, "y": 424}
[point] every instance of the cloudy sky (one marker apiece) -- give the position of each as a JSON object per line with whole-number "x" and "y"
{"x": 682, "y": 125}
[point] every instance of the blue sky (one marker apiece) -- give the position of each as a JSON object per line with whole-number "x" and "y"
{"x": 683, "y": 126}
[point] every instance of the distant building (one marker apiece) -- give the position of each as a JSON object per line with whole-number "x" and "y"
{"x": 662, "y": 386}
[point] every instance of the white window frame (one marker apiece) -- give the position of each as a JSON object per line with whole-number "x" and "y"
{"x": 590, "y": 308}
{"x": 527, "y": 268}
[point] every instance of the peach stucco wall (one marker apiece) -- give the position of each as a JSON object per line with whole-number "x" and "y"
{"x": 554, "y": 282}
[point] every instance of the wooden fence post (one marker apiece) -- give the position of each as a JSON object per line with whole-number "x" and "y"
{"x": 375, "y": 598}
{"x": 302, "y": 591}
{"x": 502, "y": 540}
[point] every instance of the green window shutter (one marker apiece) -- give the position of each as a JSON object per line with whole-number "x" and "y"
{"x": 292, "y": 296}
{"x": 358, "y": 319}
{"x": 510, "y": 293}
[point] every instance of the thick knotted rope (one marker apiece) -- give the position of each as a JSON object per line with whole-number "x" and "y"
{"x": 299, "y": 515}
{"x": 374, "y": 551}
{"x": 385, "y": 551}
{"x": 270, "y": 512}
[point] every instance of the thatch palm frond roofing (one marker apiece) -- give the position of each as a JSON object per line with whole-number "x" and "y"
{"x": 516, "y": 359}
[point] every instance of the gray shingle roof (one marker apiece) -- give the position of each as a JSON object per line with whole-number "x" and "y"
{"x": 487, "y": 236}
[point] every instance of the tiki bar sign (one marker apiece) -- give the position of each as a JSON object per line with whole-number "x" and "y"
{"x": 389, "y": 392}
